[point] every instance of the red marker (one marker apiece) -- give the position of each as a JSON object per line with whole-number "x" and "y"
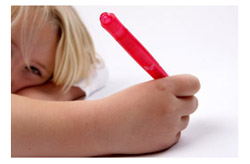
{"x": 132, "y": 45}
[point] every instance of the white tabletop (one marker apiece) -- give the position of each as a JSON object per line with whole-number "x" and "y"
{"x": 196, "y": 40}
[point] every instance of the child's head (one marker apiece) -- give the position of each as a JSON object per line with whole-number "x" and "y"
{"x": 49, "y": 42}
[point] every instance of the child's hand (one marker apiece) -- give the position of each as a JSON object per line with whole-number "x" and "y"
{"x": 150, "y": 116}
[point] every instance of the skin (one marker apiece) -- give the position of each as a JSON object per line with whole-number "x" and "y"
{"x": 33, "y": 82}
{"x": 144, "y": 118}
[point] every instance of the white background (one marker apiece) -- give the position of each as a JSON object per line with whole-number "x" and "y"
{"x": 197, "y": 40}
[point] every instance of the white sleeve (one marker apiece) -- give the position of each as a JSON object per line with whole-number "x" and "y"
{"x": 98, "y": 79}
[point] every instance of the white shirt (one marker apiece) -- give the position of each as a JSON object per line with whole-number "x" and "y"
{"x": 98, "y": 79}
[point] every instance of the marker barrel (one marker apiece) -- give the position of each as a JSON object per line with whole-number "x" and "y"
{"x": 136, "y": 50}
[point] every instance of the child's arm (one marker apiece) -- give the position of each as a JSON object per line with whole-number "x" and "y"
{"x": 144, "y": 118}
{"x": 50, "y": 128}
{"x": 49, "y": 91}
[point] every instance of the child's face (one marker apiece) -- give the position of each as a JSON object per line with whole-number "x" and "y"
{"x": 42, "y": 58}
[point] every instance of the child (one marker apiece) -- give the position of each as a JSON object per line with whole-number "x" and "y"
{"x": 50, "y": 54}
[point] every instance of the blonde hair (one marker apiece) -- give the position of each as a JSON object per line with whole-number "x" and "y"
{"x": 75, "y": 54}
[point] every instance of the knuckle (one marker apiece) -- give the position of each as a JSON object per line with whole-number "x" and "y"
{"x": 166, "y": 103}
{"x": 168, "y": 108}
{"x": 161, "y": 85}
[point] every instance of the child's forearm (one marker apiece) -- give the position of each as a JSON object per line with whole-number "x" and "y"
{"x": 48, "y": 128}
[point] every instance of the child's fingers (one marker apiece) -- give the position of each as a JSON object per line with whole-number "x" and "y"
{"x": 184, "y": 122}
{"x": 184, "y": 85}
{"x": 187, "y": 105}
